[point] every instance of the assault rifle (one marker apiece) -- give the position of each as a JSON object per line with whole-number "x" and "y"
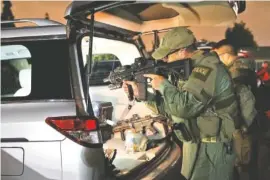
{"x": 138, "y": 124}
{"x": 134, "y": 72}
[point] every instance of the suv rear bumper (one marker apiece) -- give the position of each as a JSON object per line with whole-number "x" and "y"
{"x": 81, "y": 163}
{"x": 166, "y": 165}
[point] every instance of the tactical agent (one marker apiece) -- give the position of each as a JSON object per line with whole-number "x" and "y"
{"x": 242, "y": 69}
{"x": 203, "y": 109}
{"x": 244, "y": 77}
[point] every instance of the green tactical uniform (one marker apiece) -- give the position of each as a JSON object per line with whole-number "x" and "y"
{"x": 238, "y": 70}
{"x": 250, "y": 63}
{"x": 243, "y": 75}
{"x": 208, "y": 120}
{"x": 237, "y": 67}
{"x": 243, "y": 72}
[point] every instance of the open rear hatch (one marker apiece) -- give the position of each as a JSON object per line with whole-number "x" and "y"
{"x": 125, "y": 20}
{"x": 145, "y": 16}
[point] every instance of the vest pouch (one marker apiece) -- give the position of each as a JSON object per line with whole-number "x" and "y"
{"x": 209, "y": 126}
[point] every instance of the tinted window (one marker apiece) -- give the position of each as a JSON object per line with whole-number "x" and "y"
{"x": 15, "y": 71}
{"x": 101, "y": 70}
{"x": 50, "y": 76}
{"x": 103, "y": 66}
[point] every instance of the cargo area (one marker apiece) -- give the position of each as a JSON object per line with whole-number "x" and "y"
{"x": 125, "y": 159}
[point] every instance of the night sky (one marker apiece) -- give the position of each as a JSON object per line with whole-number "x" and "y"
{"x": 256, "y": 17}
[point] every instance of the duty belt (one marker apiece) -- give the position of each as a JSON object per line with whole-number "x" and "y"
{"x": 209, "y": 140}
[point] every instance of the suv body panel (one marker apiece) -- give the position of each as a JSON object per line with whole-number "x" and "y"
{"x": 46, "y": 164}
{"x": 37, "y": 33}
{"x": 80, "y": 163}
{"x": 26, "y": 119}
{"x": 28, "y": 144}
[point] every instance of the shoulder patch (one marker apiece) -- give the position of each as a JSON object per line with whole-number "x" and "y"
{"x": 241, "y": 65}
{"x": 238, "y": 69}
{"x": 201, "y": 72}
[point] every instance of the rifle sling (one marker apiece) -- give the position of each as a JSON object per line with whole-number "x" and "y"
{"x": 224, "y": 103}
{"x": 239, "y": 121}
{"x": 126, "y": 110}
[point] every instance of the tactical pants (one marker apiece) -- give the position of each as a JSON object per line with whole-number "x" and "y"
{"x": 213, "y": 162}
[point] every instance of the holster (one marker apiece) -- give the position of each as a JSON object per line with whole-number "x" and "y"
{"x": 182, "y": 131}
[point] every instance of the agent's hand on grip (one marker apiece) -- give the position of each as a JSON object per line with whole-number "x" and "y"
{"x": 133, "y": 85}
{"x": 156, "y": 80}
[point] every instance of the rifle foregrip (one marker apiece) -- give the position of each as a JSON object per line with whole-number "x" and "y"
{"x": 130, "y": 93}
{"x": 153, "y": 130}
{"x": 142, "y": 87}
{"x": 123, "y": 137}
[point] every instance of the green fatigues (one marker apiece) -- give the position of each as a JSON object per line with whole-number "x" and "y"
{"x": 247, "y": 101}
{"x": 208, "y": 79}
{"x": 249, "y": 63}
{"x": 243, "y": 74}
{"x": 213, "y": 162}
{"x": 238, "y": 66}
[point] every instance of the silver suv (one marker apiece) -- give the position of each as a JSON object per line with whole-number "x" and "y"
{"x": 37, "y": 86}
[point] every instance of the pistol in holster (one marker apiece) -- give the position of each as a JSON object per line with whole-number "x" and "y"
{"x": 184, "y": 131}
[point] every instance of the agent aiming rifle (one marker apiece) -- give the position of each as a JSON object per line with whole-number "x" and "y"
{"x": 134, "y": 72}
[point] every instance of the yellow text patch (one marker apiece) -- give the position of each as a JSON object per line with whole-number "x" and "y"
{"x": 201, "y": 72}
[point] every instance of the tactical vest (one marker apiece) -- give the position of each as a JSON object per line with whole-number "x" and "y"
{"x": 216, "y": 122}
{"x": 242, "y": 72}
{"x": 244, "y": 79}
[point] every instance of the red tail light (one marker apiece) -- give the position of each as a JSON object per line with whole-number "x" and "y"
{"x": 82, "y": 130}
{"x": 268, "y": 114}
{"x": 75, "y": 124}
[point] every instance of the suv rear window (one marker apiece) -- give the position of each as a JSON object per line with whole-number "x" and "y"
{"x": 15, "y": 71}
{"x": 42, "y": 75}
{"x": 101, "y": 70}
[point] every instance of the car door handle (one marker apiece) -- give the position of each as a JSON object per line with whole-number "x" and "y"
{"x": 8, "y": 140}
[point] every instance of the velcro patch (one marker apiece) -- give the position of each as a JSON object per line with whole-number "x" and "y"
{"x": 240, "y": 65}
{"x": 201, "y": 72}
